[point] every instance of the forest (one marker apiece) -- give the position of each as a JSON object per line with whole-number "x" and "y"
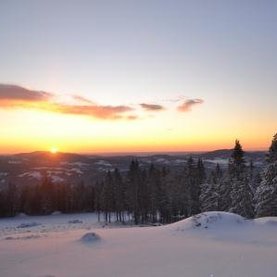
{"x": 155, "y": 194}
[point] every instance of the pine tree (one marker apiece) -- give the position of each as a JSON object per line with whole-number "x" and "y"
{"x": 133, "y": 190}
{"x": 97, "y": 198}
{"x": 237, "y": 157}
{"x": 208, "y": 197}
{"x": 165, "y": 205}
{"x": 200, "y": 172}
{"x": 191, "y": 190}
{"x": 11, "y": 198}
{"x": 224, "y": 191}
{"x": 272, "y": 154}
{"x": 107, "y": 196}
{"x": 120, "y": 195}
{"x": 266, "y": 194}
{"x": 176, "y": 192}
{"x": 46, "y": 192}
{"x": 241, "y": 197}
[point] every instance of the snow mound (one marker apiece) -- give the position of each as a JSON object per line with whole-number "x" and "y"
{"x": 90, "y": 237}
{"x": 209, "y": 220}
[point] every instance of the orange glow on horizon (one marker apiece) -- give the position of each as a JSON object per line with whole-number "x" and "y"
{"x": 166, "y": 132}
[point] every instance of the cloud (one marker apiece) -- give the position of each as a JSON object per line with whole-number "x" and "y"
{"x": 152, "y": 107}
{"x": 188, "y": 104}
{"x": 12, "y": 96}
{"x": 16, "y": 93}
{"x": 81, "y": 99}
{"x": 176, "y": 99}
{"x": 98, "y": 111}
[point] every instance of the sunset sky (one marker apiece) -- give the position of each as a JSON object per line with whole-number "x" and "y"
{"x": 126, "y": 76}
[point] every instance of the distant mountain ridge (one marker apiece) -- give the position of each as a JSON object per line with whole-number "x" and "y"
{"x": 29, "y": 168}
{"x": 226, "y": 154}
{"x": 61, "y": 156}
{"x": 219, "y": 153}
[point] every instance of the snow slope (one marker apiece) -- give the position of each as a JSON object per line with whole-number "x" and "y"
{"x": 213, "y": 244}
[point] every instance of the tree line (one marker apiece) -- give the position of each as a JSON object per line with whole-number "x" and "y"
{"x": 155, "y": 194}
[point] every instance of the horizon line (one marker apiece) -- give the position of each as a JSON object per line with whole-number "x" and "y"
{"x": 127, "y": 153}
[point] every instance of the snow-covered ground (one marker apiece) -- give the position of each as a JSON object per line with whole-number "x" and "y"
{"x": 212, "y": 244}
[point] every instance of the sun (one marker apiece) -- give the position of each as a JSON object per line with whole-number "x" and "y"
{"x": 54, "y": 149}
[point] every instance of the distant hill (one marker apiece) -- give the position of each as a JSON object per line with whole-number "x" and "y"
{"x": 46, "y": 155}
{"x": 226, "y": 154}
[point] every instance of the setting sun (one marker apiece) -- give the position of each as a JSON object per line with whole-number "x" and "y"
{"x": 54, "y": 150}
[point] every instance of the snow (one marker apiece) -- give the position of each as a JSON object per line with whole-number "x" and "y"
{"x": 220, "y": 161}
{"x": 162, "y": 160}
{"x": 56, "y": 179}
{"x": 28, "y": 225}
{"x": 214, "y": 220}
{"x": 75, "y": 221}
{"x": 76, "y": 170}
{"x": 78, "y": 164}
{"x": 14, "y": 162}
{"x": 103, "y": 163}
{"x": 33, "y": 174}
{"x": 213, "y": 244}
{"x": 180, "y": 161}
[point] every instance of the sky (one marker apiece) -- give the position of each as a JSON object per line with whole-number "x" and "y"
{"x": 137, "y": 76}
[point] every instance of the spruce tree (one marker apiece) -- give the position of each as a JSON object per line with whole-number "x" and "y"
{"x": 272, "y": 154}
{"x": 46, "y": 192}
{"x": 237, "y": 157}
{"x": 209, "y": 197}
{"x": 241, "y": 196}
{"x": 266, "y": 194}
{"x": 120, "y": 197}
{"x": 134, "y": 177}
{"x": 192, "y": 187}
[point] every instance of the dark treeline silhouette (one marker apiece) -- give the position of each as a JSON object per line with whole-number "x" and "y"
{"x": 155, "y": 194}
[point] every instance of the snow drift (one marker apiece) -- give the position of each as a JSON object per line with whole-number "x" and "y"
{"x": 212, "y": 244}
{"x": 209, "y": 220}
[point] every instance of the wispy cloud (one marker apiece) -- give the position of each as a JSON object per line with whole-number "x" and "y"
{"x": 175, "y": 99}
{"x": 17, "y": 93}
{"x": 152, "y": 107}
{"x": 12, "y": 96}
{"x": 98, "y": 111}
{"x": 188, "y": 104}
{"x": 82, "y": 99}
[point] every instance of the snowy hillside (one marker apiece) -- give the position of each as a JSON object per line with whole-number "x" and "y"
{"x": 213, "y": 244}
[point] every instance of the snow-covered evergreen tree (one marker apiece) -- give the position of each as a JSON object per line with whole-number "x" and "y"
{"x": 208, "y": 197}
{"x": 241, "y": 197}
{"x": 241, "y": 194}
{"x": 224, "y": 191}
{"x": 266, "y": 194}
